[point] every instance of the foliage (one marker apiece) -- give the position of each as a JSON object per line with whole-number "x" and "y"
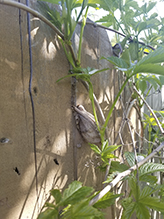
{"x": 141, "y": 63}
{"x": 140, "y": 200}
{"x": 74, "y": 203}
{"x": 106, "y": 151}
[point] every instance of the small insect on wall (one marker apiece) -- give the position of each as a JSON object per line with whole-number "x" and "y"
{"x": 43, "y": 148}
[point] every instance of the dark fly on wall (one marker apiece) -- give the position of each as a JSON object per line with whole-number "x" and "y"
{"x": 16, "y": 170}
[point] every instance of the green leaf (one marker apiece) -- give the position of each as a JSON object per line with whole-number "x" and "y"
{"x": 148, "y": 179}
{"x": 148, "y": 168}
{"x": 156, "y": 56}
{"x": 146, "y": 191}
{"x": 153, "y": 203}
{"x": 154, "y": 15}
{"x": 105, "y": 145}
{"x": 110, "y": 149}
{"x": 95, "y": 71}
{"x": 82, "y": 210}
{"x": 126, "y": 56}
{"x": 128, "y": 211}
{"x": 130, "y": 158}
{"x": 134, "y": 187}
{"x": 56, "y": 194}
{"x": 141, "y": 211}
{"x": 75, "y": 193}
{"x": 117, "y": 62}
{"x": 142, "y": 26}
{"x": 106, "y": 201}
{"x": 154, "y": 80}
{"x": 151, "y": 5}
{"x": 149, "y": 68}
{"x": 133, "y": 49}
{"x": 48, "y": 214}
{"x": 161, "y": 78}
{"x": 126, "y": 201}
{"x": 106, "y": 153}
{"x": 117, "y": 166}
{"x": 95, "y": 148}
{"x": 142, "y": 85}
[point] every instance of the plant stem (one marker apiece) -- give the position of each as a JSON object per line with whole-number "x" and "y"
{"x": 93, "y": 104}
{"x": 113, "y": 105}
{"x": 81, "y": 34}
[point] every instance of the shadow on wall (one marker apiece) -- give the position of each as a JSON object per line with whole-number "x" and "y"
{"x": 18, "y": 194}
{"x": 59, "y": 158}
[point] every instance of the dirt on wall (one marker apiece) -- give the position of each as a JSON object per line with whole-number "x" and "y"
{"x": 43, "y": 129}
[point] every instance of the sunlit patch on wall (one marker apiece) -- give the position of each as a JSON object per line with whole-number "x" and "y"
{"x": 11, "y": 64}
{"x": 48, "y": 50}
{"x": 34, "y": 32}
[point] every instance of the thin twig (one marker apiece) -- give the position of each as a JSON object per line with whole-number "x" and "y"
{"x": 134, "y": 149}
{"x": 125, "y": 117}
{"x": 120, "y": 176}
{"x": 115, "y": 31}
{"x": 150, "y": 109}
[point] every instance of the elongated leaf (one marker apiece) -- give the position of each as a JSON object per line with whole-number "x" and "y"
{"x": 149, "y": 68}
{"x": 95, "y": 148}
{"x": 110, "y": 149}
{"x": 128, "y": 211}
{"x": 142, "y": 26}
{"x": 106, "y": 201}
{"x": 105, "y": 145}
{"x": 156, "y": 56}
{"x": 154, "y": 81}
{"x": 153, "y": 203}
{"x": 134, "y": 187}
{"x": 117, "y": 166}
{"x": 130, "y": 158}
{"x": 146, "y": 191}
{"x": 151, "y": 6}
{"x": 95, "y": 71}
{"x": 161, "y": 78}
{"x": 148, "y": 178}
{"x": 142, "y": 85}
{"x": 141, "y": 211}
{"x": 117, "y": 62}
{"x": 148, "y": 168}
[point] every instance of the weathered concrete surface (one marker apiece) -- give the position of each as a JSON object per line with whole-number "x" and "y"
{"x": 56, "y": 134}
{"x": 53, "y": 116}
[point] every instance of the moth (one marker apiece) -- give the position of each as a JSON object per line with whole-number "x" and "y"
{"x": 86, "y": 125}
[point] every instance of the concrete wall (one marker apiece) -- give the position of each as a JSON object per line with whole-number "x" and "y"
{"x": 55, "y": 131}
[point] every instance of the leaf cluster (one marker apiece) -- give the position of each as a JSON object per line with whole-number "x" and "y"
{"x": 73, "y": 203}
{"x": 106, "y": 151}
{"x": 64, "y": 19}
{"x": 133, "y": 20}
{"x": 141, "y": 201}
